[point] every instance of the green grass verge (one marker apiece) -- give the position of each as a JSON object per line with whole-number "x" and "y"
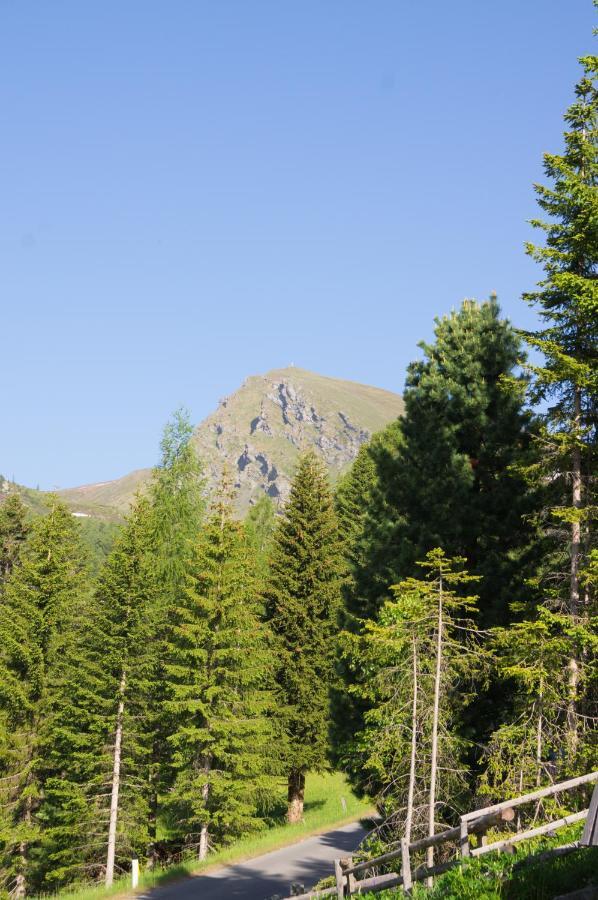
{"x": 324, "y": 809}
{"x": 498, "y": 876}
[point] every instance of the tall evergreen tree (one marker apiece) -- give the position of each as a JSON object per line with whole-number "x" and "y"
{"x": 448, "y": 478}
{"x": 177, "y": 506}
{"x": 95, "y": 737}
{"x": 40, "y": 600}
{"x": 13, "y": 532}
{"x": 567, "y": 380}
{"x": 219, "y": 680}
{"x": 366, "y": 507}
{"x": 303, "y": 603}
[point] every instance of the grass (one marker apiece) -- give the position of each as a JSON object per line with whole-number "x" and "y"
{"x": 498, "y": 876}
{"x": 324, "y": 810}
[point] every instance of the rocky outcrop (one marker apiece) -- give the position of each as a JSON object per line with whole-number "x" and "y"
{"x": 258, "y": 432}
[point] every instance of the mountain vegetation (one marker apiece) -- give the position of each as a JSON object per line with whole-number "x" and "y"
{"x": 411, "y": 596}
{"x": 258, "y": 433}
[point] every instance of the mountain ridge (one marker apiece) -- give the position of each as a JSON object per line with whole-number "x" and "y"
{"x": 259, "y": 431}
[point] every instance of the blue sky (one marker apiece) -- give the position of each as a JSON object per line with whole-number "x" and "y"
{"x": 192, "y": 192}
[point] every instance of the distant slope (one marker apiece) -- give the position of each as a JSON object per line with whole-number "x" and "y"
{"x": 259, "y": 431}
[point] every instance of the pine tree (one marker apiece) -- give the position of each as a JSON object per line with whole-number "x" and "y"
{"x": 219, "y": 683}
{"x": 41, "y": 598}
{"x": 567, "y": 381}
{"x": 13, "y": 532}
{"x": 445, "y": 475}
{"x": 464, "y": 430}
{"x": 303, "y": 603}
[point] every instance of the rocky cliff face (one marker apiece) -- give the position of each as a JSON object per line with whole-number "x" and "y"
{"x": 260, "y": 430}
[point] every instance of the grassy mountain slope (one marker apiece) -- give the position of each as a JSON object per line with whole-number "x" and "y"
{"x": 259, "y": 431}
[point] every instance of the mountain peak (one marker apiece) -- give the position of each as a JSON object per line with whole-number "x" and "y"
{"x": 259, "y": 431}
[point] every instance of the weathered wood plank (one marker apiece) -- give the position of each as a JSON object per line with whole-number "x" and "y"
{"x": 535, "y": 795}
{"x": 589, "y": 837}
{"x": 533, "y": 832}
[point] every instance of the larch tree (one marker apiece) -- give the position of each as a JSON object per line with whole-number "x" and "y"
{"x": 259, "y": 526}
{"x": 566, "y": 382}
{"x": 418, "y": 663}
{"x": 303, "y": 607}
{"x": 219, "y": 683}
{"x": 177, "y": 507}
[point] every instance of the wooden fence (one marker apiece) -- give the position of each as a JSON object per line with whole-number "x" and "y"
{"x": 477, "y": 822}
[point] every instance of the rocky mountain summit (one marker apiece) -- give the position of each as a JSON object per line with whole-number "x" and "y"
{"x": 259, "y": 431}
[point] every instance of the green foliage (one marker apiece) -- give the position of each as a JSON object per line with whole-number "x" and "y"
{"x": 533, "y": 658}
{"x": 517, "y": 876}
{"x": 110, "y": 644}
{"x": 98, "y": 536}
{"x": 303, "y": 604}
{"x": 396, "y": 656}
{"x": 219, "y": 688}
{"x": 177, "y": 501}
{"x": 568, "y": 296}
{"x": 13, "y": 532}
{"x": 41, "y": 599}
{"x": 259, "y": 527}
{"x": 448, "y": 477}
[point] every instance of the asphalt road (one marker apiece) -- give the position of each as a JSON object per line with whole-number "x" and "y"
{"x": 270, "y": 874}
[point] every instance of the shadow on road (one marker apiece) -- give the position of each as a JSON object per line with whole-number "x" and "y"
{"x": 272, "y": 874}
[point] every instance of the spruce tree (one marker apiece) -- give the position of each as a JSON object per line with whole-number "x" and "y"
{"x": 219, "y": 690}
{"x": 41, "y": 597}
{"x": 303, "y": 603}
{"x": 567, "y": 380}
{"x": 525, "y": 751}
{"x": 95, "y": 738}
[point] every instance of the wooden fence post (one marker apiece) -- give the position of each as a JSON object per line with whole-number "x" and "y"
{"x": 340, "y": 879}
{"x": 464, "y": 839}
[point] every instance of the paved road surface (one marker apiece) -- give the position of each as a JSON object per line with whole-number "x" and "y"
{"x": 260, "y": 878}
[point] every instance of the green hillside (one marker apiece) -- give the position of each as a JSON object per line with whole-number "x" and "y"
{"x": 258, "y": 433}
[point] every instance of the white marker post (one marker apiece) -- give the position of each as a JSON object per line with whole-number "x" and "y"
{"x": 134, "y": 872}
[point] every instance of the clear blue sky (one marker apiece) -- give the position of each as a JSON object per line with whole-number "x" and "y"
{"x": 192, "y": 192}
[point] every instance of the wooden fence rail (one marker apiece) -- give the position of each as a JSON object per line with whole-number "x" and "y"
{"x": 475, "y": 822}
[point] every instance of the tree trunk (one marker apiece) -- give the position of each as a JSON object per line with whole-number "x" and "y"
{"x": 432, "y": 798}
{"x": 152, "y": 819}
{"x": 411, "y": 789}
{"x": 574, "y": 583}
{"x": 20, "y": 888}
{"x": 539, "y": 745}
{"x": 296, "y": 796}
{"x": 115, "y": 783}
{"x": 203, "y": 831}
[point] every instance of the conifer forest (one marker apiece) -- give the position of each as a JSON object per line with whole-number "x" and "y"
{"x": 426, "y": 623}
